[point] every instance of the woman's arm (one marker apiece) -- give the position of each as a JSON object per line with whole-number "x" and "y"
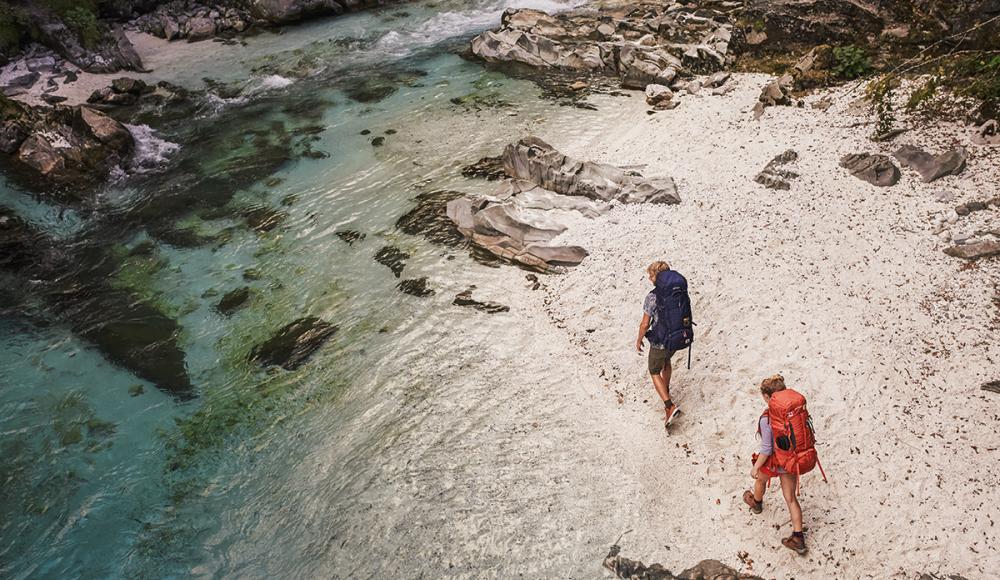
{"x": 766, "y": 446}
{"x": 643, "y": 327}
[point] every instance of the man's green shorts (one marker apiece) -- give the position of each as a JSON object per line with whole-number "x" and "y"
{"x": 658, "y": 358}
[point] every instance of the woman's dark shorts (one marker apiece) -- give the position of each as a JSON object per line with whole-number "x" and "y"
{"x": 658, "y": 358}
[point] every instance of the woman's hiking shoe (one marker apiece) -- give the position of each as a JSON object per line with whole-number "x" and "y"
{"x": 797, "y": 543}
{"x": 755, "y": 506}
{"x": 672, "y": 412}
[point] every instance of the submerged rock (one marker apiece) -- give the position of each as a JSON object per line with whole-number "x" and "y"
{"x": 291, "y": 346}
{"x": 773, "y": 176}
{"x": 931, "y": 167}
{"x": 875, "y": 169}
{"x": 350, "y": 236}
{"x": 415, "y": 287}
{"x": 130, "y": 333}
{"x": 125, "y": 329}
{"x": 233, "y": 300}
{"x": 430, "y": 218}
{"x": 393, "y": 258}
{"x": 465, "y": 298}
{"x": 262, "y": 218}
{"x": 488, "y": 168}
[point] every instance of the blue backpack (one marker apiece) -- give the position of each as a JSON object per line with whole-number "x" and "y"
{"x": 673, "y": 327}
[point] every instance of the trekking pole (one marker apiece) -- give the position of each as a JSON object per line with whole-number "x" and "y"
{"x": 689, "y": 356}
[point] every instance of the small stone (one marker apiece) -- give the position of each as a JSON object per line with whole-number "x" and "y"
{"x": 136, "y": 390}
{"x": 962, "y": 209}
{"x": 578, "y": 86}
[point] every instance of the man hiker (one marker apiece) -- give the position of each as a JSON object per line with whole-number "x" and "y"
{"x": 666, "y": 322}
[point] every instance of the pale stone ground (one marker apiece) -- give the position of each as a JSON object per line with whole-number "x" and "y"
{"x": 836, "y": 284}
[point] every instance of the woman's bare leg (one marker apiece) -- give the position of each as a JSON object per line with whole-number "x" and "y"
{"x": 788, "y": 483}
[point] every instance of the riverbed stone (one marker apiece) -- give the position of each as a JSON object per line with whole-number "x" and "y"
{"x": 974, "y": 250}
{"x": 774, "y": 176}
{"x": 291, "y": 346}
{"x": 932, "y": 167}
{"x": 876, "y": 169}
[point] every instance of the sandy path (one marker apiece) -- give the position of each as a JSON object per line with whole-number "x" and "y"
{"x": 838, "y": 285}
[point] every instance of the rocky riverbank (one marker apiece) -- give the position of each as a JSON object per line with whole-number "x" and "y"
{"x": 271, "y": 257}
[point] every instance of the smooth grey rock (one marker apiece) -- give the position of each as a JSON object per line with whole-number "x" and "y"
{"x": 200, "y": 29}
{"x": 875, "y": 169}
{"x": 773, "y": 176}
{"x": 535, "y": 160}
{"x": 658, "y": 94}
{"x": 974, "y": 250}
{"x": 931, "y": 167}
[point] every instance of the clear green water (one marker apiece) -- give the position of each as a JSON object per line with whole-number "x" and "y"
{"x": 278, "y": 473}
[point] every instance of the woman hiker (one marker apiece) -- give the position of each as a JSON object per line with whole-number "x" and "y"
{"x": 785, "y": 416}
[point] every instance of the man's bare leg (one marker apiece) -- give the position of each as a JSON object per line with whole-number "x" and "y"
{"x": 662, "y": 387}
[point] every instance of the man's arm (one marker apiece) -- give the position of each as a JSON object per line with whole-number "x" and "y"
{"x": 643, "y": 327}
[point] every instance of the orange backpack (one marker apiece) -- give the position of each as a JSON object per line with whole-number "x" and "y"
{"x": 794, "y": 439}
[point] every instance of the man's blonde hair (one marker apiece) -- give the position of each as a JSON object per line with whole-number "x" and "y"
{"x": 772, "y": 385}
{"x": 657, "y": 267}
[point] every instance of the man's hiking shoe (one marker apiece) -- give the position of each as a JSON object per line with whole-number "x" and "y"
{"x": 672, "y": 412}
{"x": 795, "y": 543}
{"x": 755, "y": 506}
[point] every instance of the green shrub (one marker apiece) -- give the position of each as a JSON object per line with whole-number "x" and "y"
{"x": 13, "y": 23}
{"x": 922, "y": 94}
{"x": 879, "y": 94}
{"x": 851, "y": 62}
{"x": 983, "y": 74}
{"x": 83, "y": 21}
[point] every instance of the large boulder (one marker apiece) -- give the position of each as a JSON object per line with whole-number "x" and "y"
{"x": 40, "y": 155}
{"x": 781, "y": 26}
{"x": 200, "y": 28}
{"x": 875, "y": 169}
{"x": 65, "y": 145}
{"x": 520, "y": 220}
{"x": 284, "y": 11}
{"x": 106, "y": 130}
{"x": 536, "y": 161}
{"x": 931, "y": 167}
{"x": 641, "y": 44}
{"x": 111, "y": 51}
